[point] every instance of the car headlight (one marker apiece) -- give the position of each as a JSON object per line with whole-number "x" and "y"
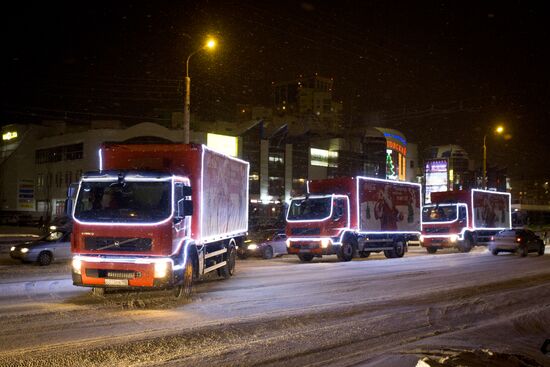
{"x": 12, "y": 248}
{"x": 325, "y": 242}
{"x": 24, "y": 250}
{"x": 453, "y": 238}
{"x": 77, "y": 265}
{"x": 53, "y": 228}
{"x": 252, "y": 246}
{"x": 161, "y": 269}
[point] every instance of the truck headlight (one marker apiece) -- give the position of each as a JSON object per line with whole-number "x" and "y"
{"x": 77, "y": 265}
{"x": 325, "y": 242}
{"x": 53, "y": 228}
{"x": 161, "y": 269}
{"x": 287, "y": 243}
{"x": 12, "y": 248}
{"x": 421, "y": 238}
{"x": 252, "y": 246}
{"x": 24, "y": 250}
{"x": 453, "y": 238}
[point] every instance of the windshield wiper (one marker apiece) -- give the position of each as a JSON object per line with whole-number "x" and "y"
{"x": 117, "y": 244}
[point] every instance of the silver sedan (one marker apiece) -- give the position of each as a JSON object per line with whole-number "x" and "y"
{"x": 55, "y": 246}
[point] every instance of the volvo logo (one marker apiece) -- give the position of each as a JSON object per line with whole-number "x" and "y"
{"x": 116, "y": 243}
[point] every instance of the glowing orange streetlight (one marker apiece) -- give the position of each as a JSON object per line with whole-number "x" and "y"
{"x": 210, "y": 44}
{"x": 498, "y": 130}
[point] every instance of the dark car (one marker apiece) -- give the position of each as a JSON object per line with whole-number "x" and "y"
{"x": 516, "y": 240}
{"x": 54, "y": 246}
{"x": 264, "y": 245}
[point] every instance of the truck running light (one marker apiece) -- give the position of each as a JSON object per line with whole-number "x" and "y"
{"x": 288, "y": 243}
{"x": 161, "y": 269}
{"x": 421, "y": 238}
{"x": 77, "y": 265}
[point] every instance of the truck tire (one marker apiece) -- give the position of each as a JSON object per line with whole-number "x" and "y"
{"x": 431, "y": 250}
{"x": 466, "y": 245}
{"x": 541, "y": 249}
{"x": 364, "y": 254}
{"x": 494, "y": 251}
{"x": 228, "y": 270}
{"x": 184, "y": 290}
{"x": 345, "y": 253}
{"x": 398, "y": 250}
{"x": 305, "y": 257}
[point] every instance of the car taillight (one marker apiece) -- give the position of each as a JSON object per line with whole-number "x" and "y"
{"x": 492, "y": 238}
{"x": 518, "y": 239}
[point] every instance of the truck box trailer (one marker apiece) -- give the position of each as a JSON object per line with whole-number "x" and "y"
{"x": 464, "y": 219}
{"x": 158, "y": 216}
{"x": 354, "y": 216}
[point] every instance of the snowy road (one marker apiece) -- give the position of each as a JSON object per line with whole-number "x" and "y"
{"x": 368, "y": 312}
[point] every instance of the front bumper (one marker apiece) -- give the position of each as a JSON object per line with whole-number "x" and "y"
{"x": 27, "y": 256}
{"x": 312, "y": 247}
{"x": 124, "y": 274}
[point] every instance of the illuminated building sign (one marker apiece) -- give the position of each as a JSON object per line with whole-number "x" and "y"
{"x": 9, "y": 135}
{"x": 397, "y": 147}
{"x": 225, "y": 144}
{"x": 437, "y": 177}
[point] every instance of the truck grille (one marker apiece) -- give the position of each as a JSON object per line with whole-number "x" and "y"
{"x": 112, "y": 274}
{"x": 305, "y": 231}
{"x": 117, "y": 244}
{"x": 437, "y": 230}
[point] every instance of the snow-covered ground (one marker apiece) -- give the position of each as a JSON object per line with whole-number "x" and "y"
{"x": 447, "y": 309}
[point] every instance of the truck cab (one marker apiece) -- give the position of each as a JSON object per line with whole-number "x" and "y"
{"x": 153, "y": 207}
{"x": 316, "y": 223}
{"x": 444, "y": 226}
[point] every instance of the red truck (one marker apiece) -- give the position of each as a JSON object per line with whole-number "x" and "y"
{"x": 158, "y": 216}
{"x": 463, "y": 219}
{"x": 353, "y": 216}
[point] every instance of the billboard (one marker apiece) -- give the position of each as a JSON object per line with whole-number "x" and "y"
{"x": 491, "y": 209}
{"x": 437, "y": 177}
{"x": 388, "y": 206}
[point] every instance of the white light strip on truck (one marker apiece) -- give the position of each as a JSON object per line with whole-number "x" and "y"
{"x": 224, "y": 235}
{"x": 132, "y": 224}
{"x": 491, "y": 192}
{"x": 359, "y": 178}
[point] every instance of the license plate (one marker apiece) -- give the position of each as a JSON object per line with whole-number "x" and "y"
{"x": 119, "y": 282}
{"x": 304, "y": 251}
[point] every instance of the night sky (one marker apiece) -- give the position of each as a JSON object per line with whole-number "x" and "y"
{"x": 441, "y": 72}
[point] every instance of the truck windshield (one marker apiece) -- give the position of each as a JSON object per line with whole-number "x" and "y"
{"x": 439, "y": 213}
{"x": 115, "y": 202}
{"x": 312, "y": 208}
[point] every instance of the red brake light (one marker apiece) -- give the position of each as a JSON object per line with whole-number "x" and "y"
{"x": 518, "y": 239}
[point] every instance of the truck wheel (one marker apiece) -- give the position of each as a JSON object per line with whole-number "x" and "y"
{"x": 364, "y": 254}
{"x": 44, "y": 258}
{"x": 398, "y": 250}
{"x": 229, "y": 269}
{"x": 494, "y": 251}
{"x": 346, "y": 252}
{"x": 305, "y": 257}
{"x": 541, "y": 249}
{"x": 431, "y": 250}
{"x": 268, "y": 252}
{"x": 466, "y": 245}
{"x": 183, "y": 291}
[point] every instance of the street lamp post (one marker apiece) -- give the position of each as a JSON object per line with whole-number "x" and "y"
{"x": 498, "y": 130}
{"x": 210, "y": 44}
